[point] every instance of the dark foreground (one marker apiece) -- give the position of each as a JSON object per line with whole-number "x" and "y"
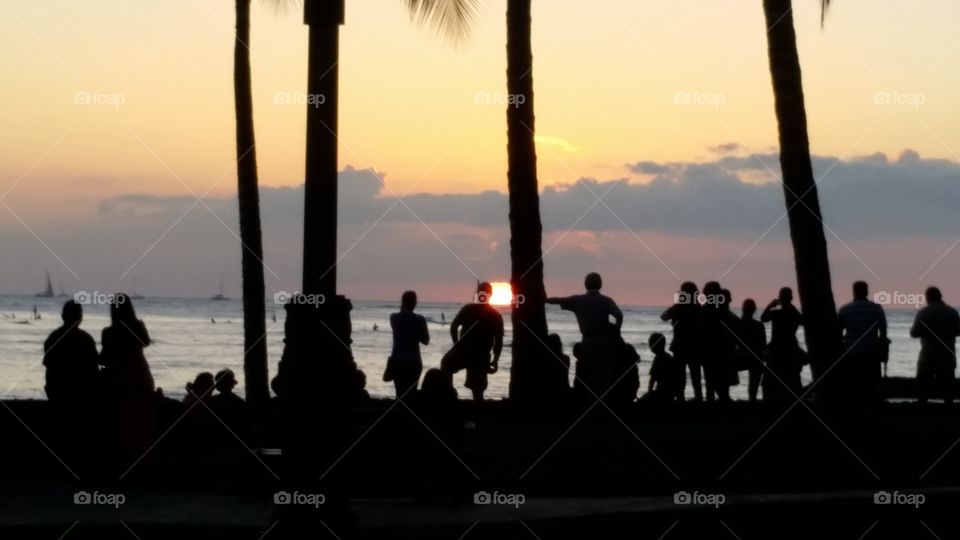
{"x": 786, "y": 472}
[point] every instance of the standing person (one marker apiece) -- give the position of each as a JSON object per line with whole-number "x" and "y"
{"x": 72, "y": 371}
{"x": 476, "y": 330}
{"x": 864, "y": 336}
{"x": 752, "y": 347}
{"x": 601, "y": 344}
{"x": 667, "y": 375}
{"x": 685, "y": 315}
{"x": 72, "y": 361}
{"x": 720, "y": 342}
{"x": 128, "y": 382}
{"x": 409, "y": 331}
{"x": 937, "y": 326}
{"x": 784, "y": 355}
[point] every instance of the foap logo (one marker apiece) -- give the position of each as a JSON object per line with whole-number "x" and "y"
{"x": 516, "y": 300}
{"x": 97, "y": 298}
{"x": 683, "y": 297}
{"x": 299, "y": 98}
{"x": 699, "y": 499}
{"x": 85, "y": 98}
{"x": 499, "y": 98}
{"x": 699, "y": 98}
{"x": 507, "y": 499}
{"x": 904, "y": 499}
{"x": 284, "y": 498}
{"x": 283, "y": 298}
{"x": 897, "y": 298}
{"x": 906, "y": 99}
{"x": 115, "y": 500}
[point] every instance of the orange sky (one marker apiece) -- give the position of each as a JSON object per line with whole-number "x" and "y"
{"x": 617, "y": 81}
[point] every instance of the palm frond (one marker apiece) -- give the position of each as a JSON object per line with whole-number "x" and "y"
{"x": 282, "y": 6}
{"x": 449, "y": 17}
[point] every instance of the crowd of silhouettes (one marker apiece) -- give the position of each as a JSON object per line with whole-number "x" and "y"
{"x": 710, "y": 343}
{"x": 109, "y": 395}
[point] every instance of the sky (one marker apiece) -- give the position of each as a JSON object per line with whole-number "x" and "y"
{"x": 656, "y": 145}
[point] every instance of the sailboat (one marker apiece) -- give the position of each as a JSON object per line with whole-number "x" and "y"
{"x": 48, "y": 293}
{"x": 61, "y": 294}
{"x": 135, "y": 295}
{"x": 219, "y": 297}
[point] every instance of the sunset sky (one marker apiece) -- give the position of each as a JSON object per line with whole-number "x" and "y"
{"x": 672, "y": 97}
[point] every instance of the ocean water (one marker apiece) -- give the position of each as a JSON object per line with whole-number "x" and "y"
{"x": 187, "y": 342}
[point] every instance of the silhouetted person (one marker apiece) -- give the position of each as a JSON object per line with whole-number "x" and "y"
{"x": 937, "y": 325}
{"x": 600, "y": 344}
{"x": 864, "y": 336}
{"x": 686, "y": 317}
{"x": 720, "y": 341}
{"x": 128, "y": 382}
{"x": 784, "y": 357}
{"x": 201, "y": 389}
{"x": 72, "y": 371}
{"x": 225, "y": 381}
{"x": 72, "y": 362}
{"x": 409, "y": 331}
{"x": 228, "y": 406}
{"x": 476, "y": 330}
{"x": 667, "y": 374}
{"x": 752, "y": 347}
{"x": 363, "y": 396}
{"x": 555, "y": 344}
{"x": 436, "y": 405}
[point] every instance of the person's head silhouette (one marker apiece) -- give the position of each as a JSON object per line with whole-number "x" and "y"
{"x": 226, "y": 380}
{"x": 785, "y": 296}
{"x": 484, "y": 292}
{"x": 749, "y": 307}
{"x": 72, "y": 313}
{"x": 860, "y": 290}
{"x": 408, "y": 301}
{"x": 202, "y": 385}
{"x": 121, "y": 310}
{"x": 933, "y": 294}
{"x": 657, "y": 342}
{"x": 593, "y": 282}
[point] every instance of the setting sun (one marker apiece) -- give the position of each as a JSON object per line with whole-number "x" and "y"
{"x": 502, "y": 294}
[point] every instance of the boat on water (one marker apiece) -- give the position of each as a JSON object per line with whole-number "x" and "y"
{"x": 48, "y": 293}
{"x": 134, "y": 295}
{"x": 219, "y": 297}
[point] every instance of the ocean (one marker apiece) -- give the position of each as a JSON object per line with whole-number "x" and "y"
{"x": 192, "y": 335}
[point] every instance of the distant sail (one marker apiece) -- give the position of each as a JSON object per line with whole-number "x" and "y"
{"x": 219, "y": 297}
{"x": 48, "y": 293}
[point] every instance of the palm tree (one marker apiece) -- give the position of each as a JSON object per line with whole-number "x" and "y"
{"x": 800, "y": 190}
{"x": 251, "y": 236}
{"x": 536, "y": 375}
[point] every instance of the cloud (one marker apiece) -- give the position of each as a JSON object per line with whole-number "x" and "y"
{"x": 726, "y": 148}
{"x": 692, "y": 219}
{"x": 562, "y": 144}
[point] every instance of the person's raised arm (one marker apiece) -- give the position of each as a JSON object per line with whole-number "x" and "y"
{"x": 668, "y": 314}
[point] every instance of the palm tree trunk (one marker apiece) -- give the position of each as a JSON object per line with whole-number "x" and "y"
{"x": 800, "y": 191}
{"x": 535, "y": 374}
{"x": 254, "y": 294}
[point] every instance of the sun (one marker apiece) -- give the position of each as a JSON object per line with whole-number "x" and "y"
{"x": 502, "y": 294}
